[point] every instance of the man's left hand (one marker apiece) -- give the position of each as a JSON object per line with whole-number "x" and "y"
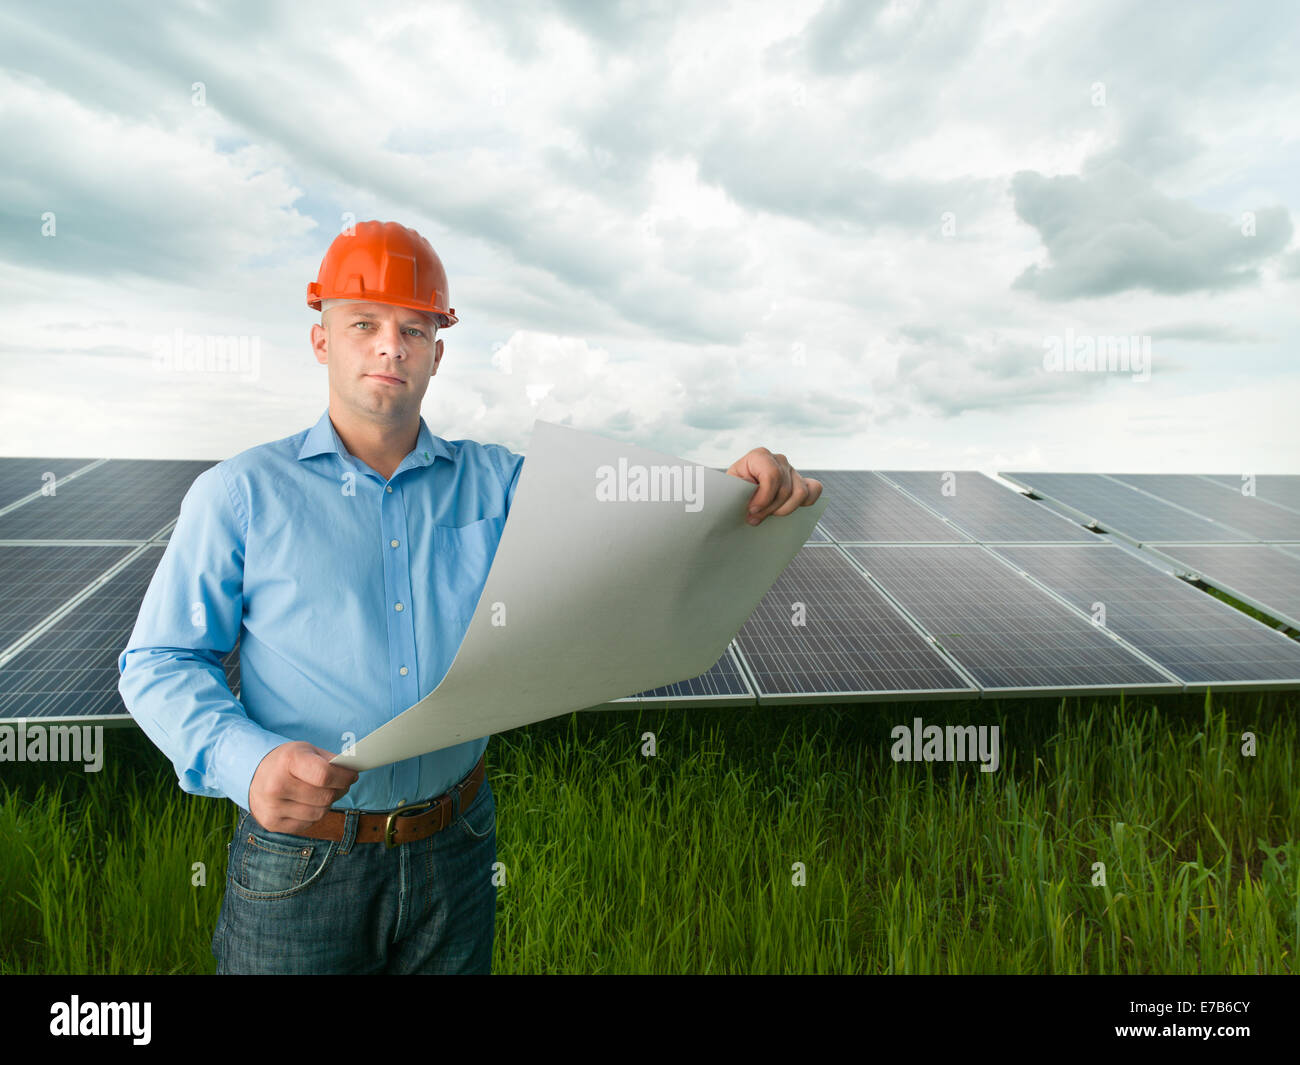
{"x": 780, "y": 488}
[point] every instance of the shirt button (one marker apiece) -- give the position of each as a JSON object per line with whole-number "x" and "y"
{"x": 398, "y": 606}
{"x": 402, "y": 671}
{"x": 392, "y": 543}
{"x": 388, "y": 488}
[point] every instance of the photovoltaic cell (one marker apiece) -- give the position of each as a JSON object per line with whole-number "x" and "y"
{"x": 1008, "y": 633}
{"x": 851, "y": 642}
{"x": 22, "y": 477}
{"x": 723, "y": 682}
{"x": 1202, "y": 640}
{"x": 1261, "y": 519}
{"x": 1259, "y": 574}
{"x": 986, "y": 510}
{"x": 1281, "y": 489}
{"x": 125, "y": 499}
{"x": 36, "y": 581}
{"x": 862, "y": 506}
{"x": 71, "y": 670}
{"x": 1120, "y": 508}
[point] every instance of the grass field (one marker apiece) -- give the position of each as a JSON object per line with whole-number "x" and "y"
{"x": 682, "y": 862}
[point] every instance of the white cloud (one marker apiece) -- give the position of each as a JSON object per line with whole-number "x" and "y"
{"x": 700, "y": 228}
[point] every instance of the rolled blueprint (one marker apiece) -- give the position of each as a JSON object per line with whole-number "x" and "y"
{"x": 619, "y": 569}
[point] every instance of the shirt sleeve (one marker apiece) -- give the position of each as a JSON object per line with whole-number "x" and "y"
{"x": 171, "y": 677}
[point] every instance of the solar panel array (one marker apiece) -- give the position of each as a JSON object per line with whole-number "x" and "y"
{"x": 126, "y": 499}
{"x": 1120, "y": 508}
{"x": 39, "y": 578}
{"x": 1199, "y": 638}
{"x": 1260, "y": 575}
{"x": 1003, "y": 629}
{"x": 1257, "y": 517}
{"x": 863, "y": 507}
{"x": 75, "y": 560}
{"x": 823, "y": 631}
{"x": 20, "y": 478}
{"x": 71, "y": 670}
{"x": 1236, "y": 534}
{"x": 914, "y": 585}
{"x": 1284, "y": 491}
{"x": 986, "y": 510}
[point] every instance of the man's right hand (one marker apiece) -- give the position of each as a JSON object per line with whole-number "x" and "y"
{"x": 294, "y": 786}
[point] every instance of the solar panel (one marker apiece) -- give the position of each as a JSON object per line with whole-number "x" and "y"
{"x": 125, "y": 499}
{"x": 1261, "y": 519}
{"x": 1121, "y": 508}
{"x": 1259, "y": 575}
{"x": 1202, "y": 640}
{"x": 861, "y": 506}
{"x": 71, "y": 670}
{"x": 845, "y": 642}
{"x": 37, "y": 580}
{"x": 817, "y": 535}
{"x": 1281, "y": 489}
{"x": 1008, "y": 633}
{"x": 986, "y": 510}
{"x": 22, "y": 477}
{"x": 723, "y": 684}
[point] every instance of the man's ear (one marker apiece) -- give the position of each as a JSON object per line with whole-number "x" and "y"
{"x": 437, "y": 357}
{"x": 320, "y": 344}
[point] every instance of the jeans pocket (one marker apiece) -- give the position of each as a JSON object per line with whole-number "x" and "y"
{"x": 479, "y": 819}
{"x": 274, "y": 865}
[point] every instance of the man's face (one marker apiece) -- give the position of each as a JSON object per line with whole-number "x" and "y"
{"x": 380, "y": 358}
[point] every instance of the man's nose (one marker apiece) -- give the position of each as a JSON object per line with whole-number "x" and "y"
{"x": 390, "y": 340}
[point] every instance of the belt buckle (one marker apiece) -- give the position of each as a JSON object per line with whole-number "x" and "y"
{"x": 390, "y": 828}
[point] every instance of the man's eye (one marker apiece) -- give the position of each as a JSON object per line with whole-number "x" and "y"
{"x": 361, "y": 323}
{"x": 416, "y": 331}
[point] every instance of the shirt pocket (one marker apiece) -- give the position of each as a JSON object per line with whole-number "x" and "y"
{"x": 462, "y": 557}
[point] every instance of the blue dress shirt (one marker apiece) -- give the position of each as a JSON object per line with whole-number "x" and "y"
{"x": 349, "y": 596}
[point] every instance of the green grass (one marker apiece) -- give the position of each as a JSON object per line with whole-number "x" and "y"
{"x": 682, "y": 862}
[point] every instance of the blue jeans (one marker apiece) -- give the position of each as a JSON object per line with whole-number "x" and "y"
{"x": 300, "y": 905}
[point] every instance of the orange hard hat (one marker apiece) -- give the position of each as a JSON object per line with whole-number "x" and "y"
{"x": 383, "y": 262}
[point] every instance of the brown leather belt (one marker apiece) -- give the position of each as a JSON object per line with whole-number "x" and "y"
{"x": 406, "y": 824}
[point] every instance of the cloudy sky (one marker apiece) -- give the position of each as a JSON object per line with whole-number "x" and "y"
{"x": 856, "y": 233}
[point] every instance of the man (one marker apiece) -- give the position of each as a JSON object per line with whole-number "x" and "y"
{"x": 346, "y": 560}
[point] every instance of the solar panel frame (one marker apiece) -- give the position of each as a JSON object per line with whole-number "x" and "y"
{"x": 1203, "y": 641}
{"x": 1123, "y": 510}
{"x": 1275, "y": 591}
{"x": 101, "y": 504}
{"x": 863, "y": 507}
{"x": 768, "y": 645}
{"x": 984, "y": 510}
{"x": 1116, "y": 666}
{"x": 1256, "y": 517}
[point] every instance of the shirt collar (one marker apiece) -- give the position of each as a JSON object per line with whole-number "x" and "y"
{"x": 323, "y": 437}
